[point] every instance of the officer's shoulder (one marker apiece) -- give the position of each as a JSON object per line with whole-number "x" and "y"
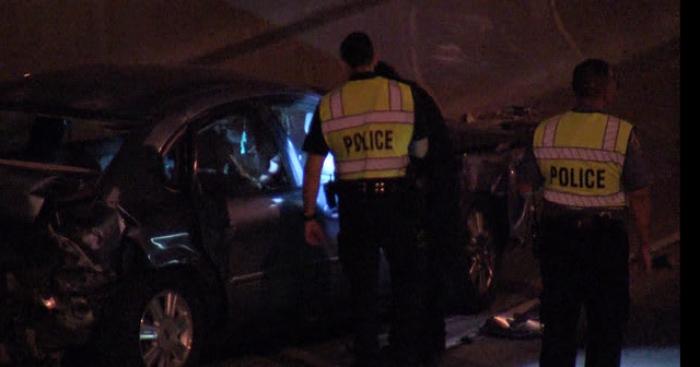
{"x": 335, "y": 89}
{"x": 415, "y": 88}
{"x": 623, "y": 122}
{"x": 550, "y": 120}
{"x": 399, "y": 81}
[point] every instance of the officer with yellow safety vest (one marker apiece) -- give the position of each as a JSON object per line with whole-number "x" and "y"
{"x": 371, "y": 125}
{"x": 590, "y": 167}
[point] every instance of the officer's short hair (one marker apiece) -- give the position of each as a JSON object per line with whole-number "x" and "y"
{"x": 591, "y": 78}
{"x": 357, "y": 50}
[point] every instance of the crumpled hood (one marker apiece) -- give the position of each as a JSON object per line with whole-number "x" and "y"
{"x": 59, "y": 251}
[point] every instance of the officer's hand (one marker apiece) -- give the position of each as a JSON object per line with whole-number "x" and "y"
{"x": 644, "y": 256}
{"x": 314, "y": 234}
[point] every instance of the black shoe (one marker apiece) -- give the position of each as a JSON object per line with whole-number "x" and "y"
{"x": 393, "y": 358}
{"x": 432, "y": 361}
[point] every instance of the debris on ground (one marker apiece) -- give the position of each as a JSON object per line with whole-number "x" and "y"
{"x": 524, "y": 325}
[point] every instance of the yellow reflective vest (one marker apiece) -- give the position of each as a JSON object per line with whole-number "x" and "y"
{"x": 581, "y": 156}
{"x": 368, "y": 125}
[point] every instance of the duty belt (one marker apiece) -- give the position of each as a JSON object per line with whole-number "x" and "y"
{"x": 581, "y": 218}
{"x": 372, "y": 187}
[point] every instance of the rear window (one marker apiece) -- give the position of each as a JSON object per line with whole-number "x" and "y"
{"x": 90, "y": 144}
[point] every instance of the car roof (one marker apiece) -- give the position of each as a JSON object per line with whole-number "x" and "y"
{"x": 129, "y": 93}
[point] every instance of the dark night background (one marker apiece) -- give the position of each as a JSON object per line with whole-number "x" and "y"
{"x": 474, "y": 56}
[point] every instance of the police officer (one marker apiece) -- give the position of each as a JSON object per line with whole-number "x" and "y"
{"x": 436, "y": 179}
{"x": 371, "y": 125}
{"x": 590, "y": 166}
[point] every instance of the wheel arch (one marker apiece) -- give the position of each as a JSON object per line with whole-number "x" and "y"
{"x": 141, "y": 260}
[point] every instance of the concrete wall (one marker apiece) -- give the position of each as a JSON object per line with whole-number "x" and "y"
{"x": 46, "y": 35}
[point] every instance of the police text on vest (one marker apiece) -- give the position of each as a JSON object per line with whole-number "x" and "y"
{"x": 369, "y": 140}
{"x": 572, "y": 177}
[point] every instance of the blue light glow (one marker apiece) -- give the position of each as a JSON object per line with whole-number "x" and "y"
{"x": 307, "y": 121}
{"x": 297, "y": 169}
{"x": 161, "y": 241}
{"x": 244, "y": 141}
{"x": 328, "y": 171}
{"x": 639, "y": 357}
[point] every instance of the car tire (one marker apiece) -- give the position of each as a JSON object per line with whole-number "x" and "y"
{"x": 159, "y": 315}
{"x": 481, "y": 253}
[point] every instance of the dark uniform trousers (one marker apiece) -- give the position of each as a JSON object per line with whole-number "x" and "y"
{"x": 372, "y": 218}
{"x": 434, "y": 293}
{"x": 583, "y": 262}
{"x": 440, "y": 250}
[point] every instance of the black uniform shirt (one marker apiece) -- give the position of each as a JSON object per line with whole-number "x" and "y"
{"x": 315, "y": 143}
{"x": 635, "y": 171}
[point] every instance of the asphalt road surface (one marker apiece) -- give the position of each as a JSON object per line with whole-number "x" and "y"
{"x": 652, "y": 339}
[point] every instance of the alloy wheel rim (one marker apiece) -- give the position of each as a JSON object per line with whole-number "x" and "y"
{"x": 166, "y": 330}
{"x": 482, "y": 260}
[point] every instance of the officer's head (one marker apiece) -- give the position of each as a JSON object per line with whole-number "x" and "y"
{"x": 594, "y": 78}
{"x": 357, "y": 50}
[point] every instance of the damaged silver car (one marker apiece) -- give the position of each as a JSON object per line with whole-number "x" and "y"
{"x": 144, "y": 208}
{"x": 147, "y": 211}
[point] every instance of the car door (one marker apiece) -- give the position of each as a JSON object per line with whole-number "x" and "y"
{"x": 251, "y": 211}
{"x": 323, "y": 287}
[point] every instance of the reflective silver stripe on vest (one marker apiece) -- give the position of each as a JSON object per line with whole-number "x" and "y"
{"x": 550, "y": 132}
{"x": 586, "y": 154}
{"x": 612, "y": 129}
{"x": 389, "y": 117}
{"x": 583, "y": 201}
{"x": 336, "y": 102}
{"x": 395, "y": 102}
{"x": 371, "y": 164}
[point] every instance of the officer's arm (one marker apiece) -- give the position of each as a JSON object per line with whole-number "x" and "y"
{"x": 419, "y": 148}
{"x": 637, "y": 179}
{"x": 312, "y": 179}
{"x": 313, "y": 232}
{"x": 427, "y": 114}
{"x": 640, "y": 205}
{"x": 317, "y": 150}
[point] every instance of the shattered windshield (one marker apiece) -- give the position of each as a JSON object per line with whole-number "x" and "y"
{"x": 89, "y": 144}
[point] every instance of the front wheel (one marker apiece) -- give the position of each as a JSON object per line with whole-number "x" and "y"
{"x": 156, "y": 321}
{"x": 166, "y": 329}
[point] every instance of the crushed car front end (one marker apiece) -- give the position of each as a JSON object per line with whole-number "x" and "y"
{"x": 58, "y": 262}
{"x": 58, "y": 238}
